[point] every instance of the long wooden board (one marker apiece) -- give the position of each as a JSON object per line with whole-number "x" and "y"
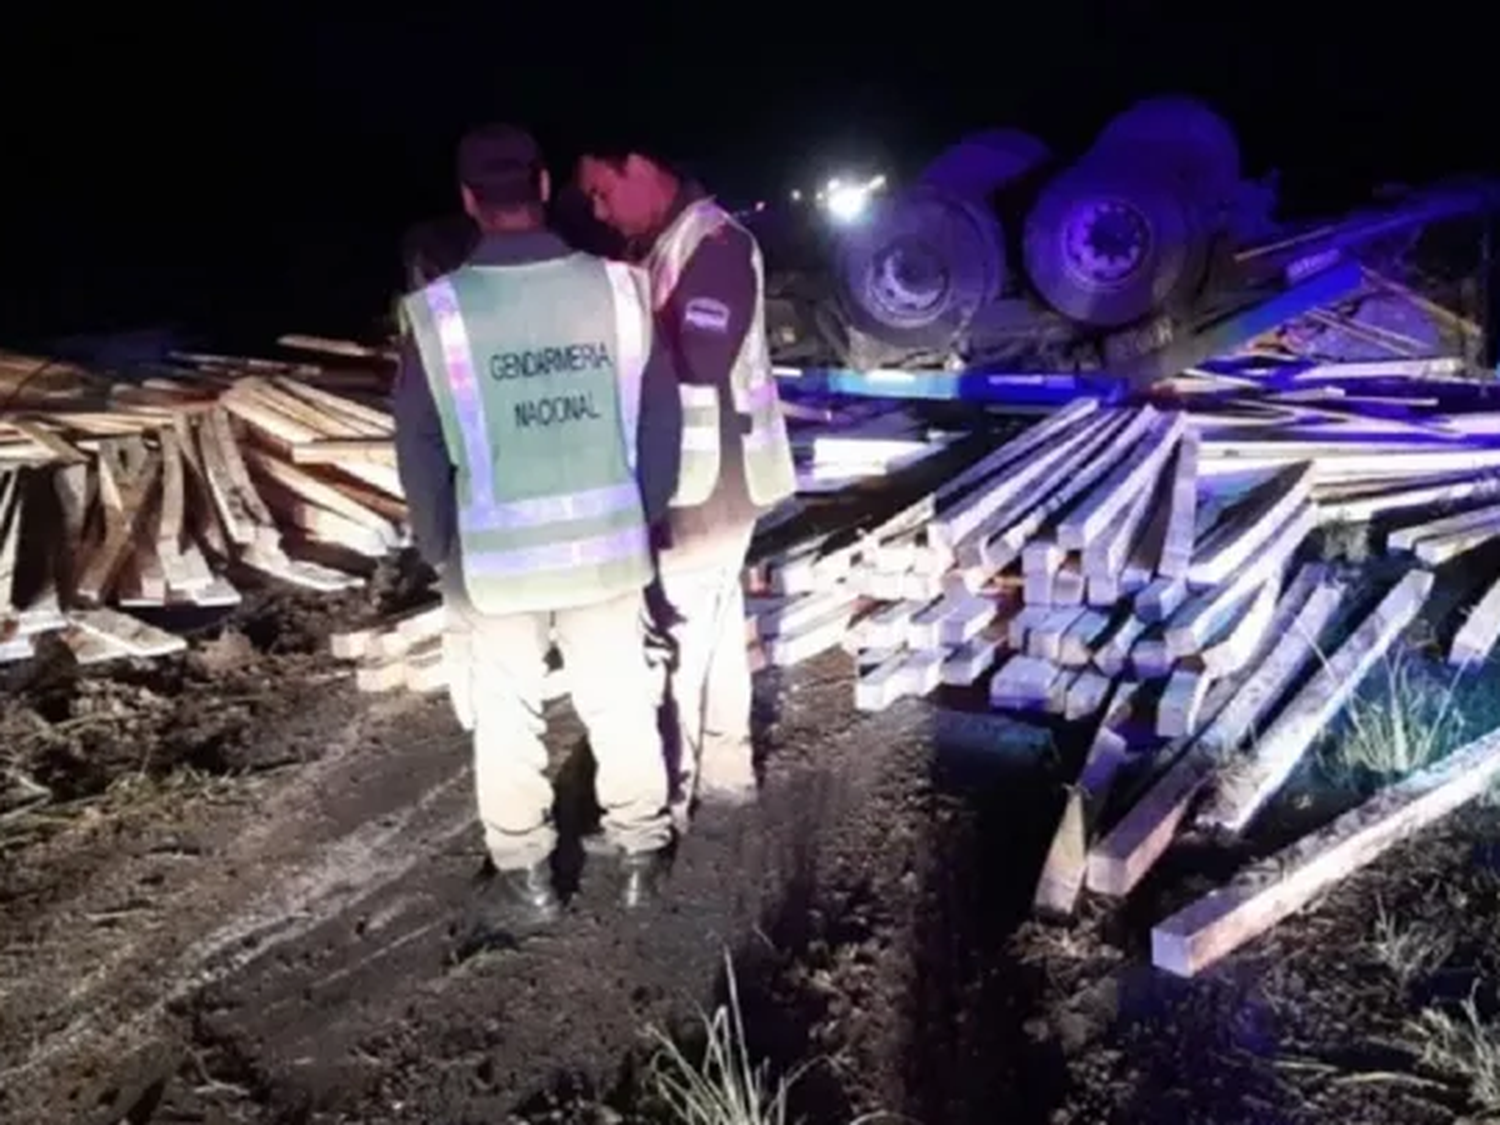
{"x": 1221, "y": 922}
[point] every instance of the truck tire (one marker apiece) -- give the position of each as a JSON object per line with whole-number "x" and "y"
{"x": 1184, "y": 135}
{"x": 1110, "y": 242}
{"x": 915, "y": 270}
{"x": 982, "y": 163}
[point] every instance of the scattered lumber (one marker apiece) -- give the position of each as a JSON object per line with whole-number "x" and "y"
{"x": 1141, "y": 568}
{"x": 1204, "y": 932}
{"x": 1236, "y": 708}
{"x": 1243, "y": 787}
{"x": 1063, "y": 872}
{"x": 161, "y": 492}
{"x": 1138, "y": 567}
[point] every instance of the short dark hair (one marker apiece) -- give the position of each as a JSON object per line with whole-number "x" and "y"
{"x": 615, "y": 148}
{"x": 502, "y": 167}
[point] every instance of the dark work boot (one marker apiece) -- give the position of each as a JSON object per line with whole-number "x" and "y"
{"x": 510, "y": 904}
{"x": 642, "y": 875}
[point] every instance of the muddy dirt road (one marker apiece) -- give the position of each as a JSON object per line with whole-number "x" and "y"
{"x": 244, "y": 904}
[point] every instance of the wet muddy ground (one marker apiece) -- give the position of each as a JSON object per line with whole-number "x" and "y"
{"x": 242, "y": 905}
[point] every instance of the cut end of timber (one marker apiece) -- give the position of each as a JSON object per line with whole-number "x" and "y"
{"x": 1063, "y": 874}
{"x": 1172, "y": 953}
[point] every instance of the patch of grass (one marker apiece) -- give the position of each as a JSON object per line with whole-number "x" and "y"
{"x": 724, "y": 1087}
{"x": 1464, "y": 1046}
{"x": 1406, "y": 721}
{"x": 1409, "y": 951}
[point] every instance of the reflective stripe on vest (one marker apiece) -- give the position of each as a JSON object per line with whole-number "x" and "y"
{"x": 698, "y": 471}
{"x": 531, "y": 549}
{"x": 632, "y": 328}
{"x": 769, "y": 473}
{"x": 700, "y": 416}
{"x": 623, "y": 544}
{"x": 540, "y": 510}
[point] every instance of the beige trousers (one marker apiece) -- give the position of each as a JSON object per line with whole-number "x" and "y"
{"x": 703, "y": 620}
{"x": 496, "y": 667}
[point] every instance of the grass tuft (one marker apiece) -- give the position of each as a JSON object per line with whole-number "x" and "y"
{"x": 1464, "y": 1046}
{"x": 724, "y": 1087}
{"x": 1408, "y": 721}
{"x": 1409, "y": 951}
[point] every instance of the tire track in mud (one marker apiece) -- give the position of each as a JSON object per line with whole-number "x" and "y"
{"x": 865, "y": 914}
{"x": 308, "y": 978}
{"x": 93, "y": 1013}
{"x": 371, "y": 1021}
{"x": 895, "y": 972}
{"x": 346, "y": 872}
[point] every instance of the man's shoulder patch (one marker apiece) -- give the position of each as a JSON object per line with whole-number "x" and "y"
{"x": 706, "y": 314}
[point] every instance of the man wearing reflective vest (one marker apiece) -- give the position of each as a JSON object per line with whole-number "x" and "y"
{"x": 533, "y": 469}
{"x": 707, "y": 287}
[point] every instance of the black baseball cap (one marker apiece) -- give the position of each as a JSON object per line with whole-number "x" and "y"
{"x": 501, "y": 164}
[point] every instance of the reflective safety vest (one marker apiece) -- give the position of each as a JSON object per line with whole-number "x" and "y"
{"x": 536, "y": 373}
{"x": 769, "y": 474}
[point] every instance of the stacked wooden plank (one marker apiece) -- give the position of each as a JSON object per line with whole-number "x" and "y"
{"x": 1143, "y": 569}
{"x": 1145, "y": 543}
{"x": 1103, "y": 543}
{"x": 153, "y": 493}
{"x": 1139, "y": 568}
{"x": 852, "y": 446}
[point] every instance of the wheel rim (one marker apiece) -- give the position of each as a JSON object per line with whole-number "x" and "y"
{"x": 1105, "y": 243}
{"x": 908, "y": 281}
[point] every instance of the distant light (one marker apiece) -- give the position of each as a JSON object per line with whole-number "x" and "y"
{"x": 796, "y": 195}
{"x": 848, "y": 203}
{"x": 760, "y": 204}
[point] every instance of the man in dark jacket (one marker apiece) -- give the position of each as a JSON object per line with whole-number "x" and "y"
{"x": 708, "y": 289}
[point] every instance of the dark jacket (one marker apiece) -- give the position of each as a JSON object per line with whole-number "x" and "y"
{"x": 721, "y": 270}
{"x": 427, "y": 473}
{"x": 435, "y": 247}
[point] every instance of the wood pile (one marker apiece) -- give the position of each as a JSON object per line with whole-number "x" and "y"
{"x": 1146, "y": 569}
{"x": 1149, "y": 570}
{"x": 154, "y": 493}
{"x": 1142, "y": 542}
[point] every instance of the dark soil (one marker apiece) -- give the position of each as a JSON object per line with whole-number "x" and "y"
{"x": 243, "y": 904}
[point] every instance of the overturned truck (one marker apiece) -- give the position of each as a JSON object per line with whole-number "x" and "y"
{"x": 1138, "y": 258}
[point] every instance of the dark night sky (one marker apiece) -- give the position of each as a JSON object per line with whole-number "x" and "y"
{"x": 258, "y": 170}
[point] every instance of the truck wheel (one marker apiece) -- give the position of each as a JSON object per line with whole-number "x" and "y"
{"x": 1108, "y": 243}
{"x": 982, "y": 163}
{"x": 915, "y": 270}
{"x": 1184, "y": 135}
